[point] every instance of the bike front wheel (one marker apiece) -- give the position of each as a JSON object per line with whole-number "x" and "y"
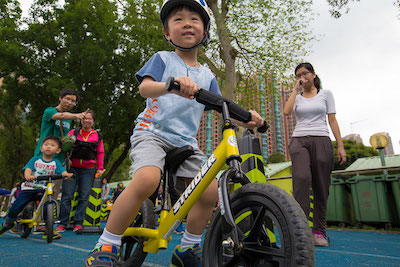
{"x": 131, "y": 253}
{"x": 50, "y": 221}
{"x": 272, "y": 229}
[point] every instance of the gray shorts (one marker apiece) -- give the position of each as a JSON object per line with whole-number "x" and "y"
{"x": 150, "y": 150}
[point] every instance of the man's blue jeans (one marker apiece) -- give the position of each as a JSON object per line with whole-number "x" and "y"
{"x": 82, "y": 182}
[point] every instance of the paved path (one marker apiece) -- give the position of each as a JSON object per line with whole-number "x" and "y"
{"x": 348, "y": 248}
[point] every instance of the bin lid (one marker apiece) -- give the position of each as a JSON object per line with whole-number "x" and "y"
{"x": 374, "y": 162}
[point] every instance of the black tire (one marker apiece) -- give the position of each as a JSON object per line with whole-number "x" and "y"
{"x": 27, "y": 213}
{"x": 131, "y": 253}
{"x": 256, "y": 208}
{"x": 50, "y": 221}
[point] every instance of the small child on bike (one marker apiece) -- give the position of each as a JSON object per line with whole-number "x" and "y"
{"x": 38, "y": 165}
{"x": 170, "y": 119}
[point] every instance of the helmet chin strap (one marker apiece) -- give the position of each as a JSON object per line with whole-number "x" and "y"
{"x": 187, "y": 49}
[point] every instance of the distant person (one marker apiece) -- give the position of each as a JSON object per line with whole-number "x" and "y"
{"x": 117, "y": 191}
{"x": 56, "y": 121}
{"x": 311, "y": 148}
{"x": 38, "y": 165}
{"x": 105, "y": 190}
{"x": 87, "y": 158}
{"x": 15, "y": 192}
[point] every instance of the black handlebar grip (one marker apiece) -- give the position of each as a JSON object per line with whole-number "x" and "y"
{"x": 172, "y": 85}
{"x": 263, "y": 128}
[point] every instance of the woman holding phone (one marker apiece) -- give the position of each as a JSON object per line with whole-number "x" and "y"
{"x": 310, "y": 147}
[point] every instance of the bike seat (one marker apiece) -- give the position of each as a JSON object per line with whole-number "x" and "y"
{"x": 176, "y": 157}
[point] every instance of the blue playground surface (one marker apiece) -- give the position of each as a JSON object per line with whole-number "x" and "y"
{"x": 348, "y": 248}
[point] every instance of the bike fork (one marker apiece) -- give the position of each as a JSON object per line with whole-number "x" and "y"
{"x": 229, "y": 228}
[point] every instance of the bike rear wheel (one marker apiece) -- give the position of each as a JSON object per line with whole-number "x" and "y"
{"x": 50, "y": 222}
{"x": 27, "y": 213}
{"x": 131, "y": 253}
{"x": 272, "y": 229}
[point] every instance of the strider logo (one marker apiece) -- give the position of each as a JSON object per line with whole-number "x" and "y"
{"x": 192, "y": 186}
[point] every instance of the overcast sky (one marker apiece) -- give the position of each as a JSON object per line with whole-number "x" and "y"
{"x": 358, "y": 59}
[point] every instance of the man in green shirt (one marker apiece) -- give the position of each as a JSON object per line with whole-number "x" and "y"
{"x": 52, "y": 118}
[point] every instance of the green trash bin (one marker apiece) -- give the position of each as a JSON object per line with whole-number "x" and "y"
{"x": 340, "y": 208}
{"x": 394, "y": 183}
{"x": 370, "y": 198}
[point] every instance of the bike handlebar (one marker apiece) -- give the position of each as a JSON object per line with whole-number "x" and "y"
{"x": 46, "y": 177}
{"x": 214, "y": 101}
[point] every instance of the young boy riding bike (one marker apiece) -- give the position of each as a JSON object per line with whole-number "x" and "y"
{"x": 38, "y": 165}
{"x": 170, "y": 120}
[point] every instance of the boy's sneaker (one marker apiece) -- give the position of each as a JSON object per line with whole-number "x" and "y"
{"x": 60, "y": 228}
{"x": 320, "y": 239}
{"x": 5, "y": 227}
{"x": 180, "y": 229}
{"x": 105, "y": 255}
{"x": 77, "y": 228}
{"x": 189, "y": 257}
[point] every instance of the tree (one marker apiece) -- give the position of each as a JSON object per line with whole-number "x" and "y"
{"x": 276, "y": 158}
{"x": 257, "y": 36}
{"x": 354, "y": 150}
{"x": 340, "y": 6}
{"x": 89, "y": 45}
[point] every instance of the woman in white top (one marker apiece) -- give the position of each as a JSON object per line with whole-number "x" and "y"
{"x": 310, "y": 148}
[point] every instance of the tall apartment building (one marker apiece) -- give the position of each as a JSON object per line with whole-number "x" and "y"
{"x": 388, "y": 150}
{"x": 355, "y": 137}
{"x": 268, "y": 98}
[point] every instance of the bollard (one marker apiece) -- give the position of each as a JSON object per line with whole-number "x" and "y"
{"x": 252, "y": 160}
{"x": 311, "y": 215}
{"x": 91, "y": 223}
{"x": 74, "y": 203}
{"x": 104, "y": 212}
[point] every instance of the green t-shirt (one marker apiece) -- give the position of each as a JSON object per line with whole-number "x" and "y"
{"x": 52, "y": 127}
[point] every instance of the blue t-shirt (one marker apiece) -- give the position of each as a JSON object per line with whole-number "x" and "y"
{"x": 41, "y": 167}
{"x": 174, "y": 118}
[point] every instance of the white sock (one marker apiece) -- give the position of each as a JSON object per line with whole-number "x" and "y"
{"x": 109, "y": 239}
{"x": 188, "y": 240}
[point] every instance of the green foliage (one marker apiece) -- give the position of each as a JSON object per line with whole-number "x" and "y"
{"x": 93, "y": 46}
{"x": 250, "y": 37}
{"x": 354, "y": 150}
{"x": 276, "y": 158}
{"x": 16, "y": 142}
{"x": 340, "y": 6}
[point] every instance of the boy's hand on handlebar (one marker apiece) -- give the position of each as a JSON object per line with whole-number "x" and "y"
{"x": 256, "y": 120}
{"x": 30, "y": 178}
{"x": 188, "y": 88}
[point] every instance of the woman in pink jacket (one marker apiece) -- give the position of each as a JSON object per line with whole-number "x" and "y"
{"x": 87, "y": 156}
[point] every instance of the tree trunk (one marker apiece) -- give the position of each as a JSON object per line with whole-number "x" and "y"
{"x": 228, "y": 52}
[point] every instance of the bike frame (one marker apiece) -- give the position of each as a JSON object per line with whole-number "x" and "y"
{"x": 47, "y": 197}
{"x": 170, "y": 220}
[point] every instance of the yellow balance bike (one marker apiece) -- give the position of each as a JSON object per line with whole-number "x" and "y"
{"x": 47, "y": 209}
{"x": 258, "y": 224}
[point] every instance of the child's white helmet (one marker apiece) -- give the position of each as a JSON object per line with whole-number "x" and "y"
{"x": 200, "y": 6}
